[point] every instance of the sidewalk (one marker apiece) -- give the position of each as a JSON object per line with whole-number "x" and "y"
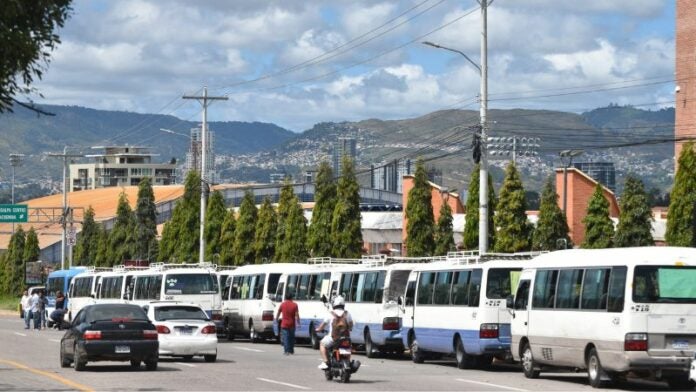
{"x": 4, "y": 313}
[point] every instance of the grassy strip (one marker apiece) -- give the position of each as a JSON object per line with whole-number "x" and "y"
{"x": 8, "y": 303}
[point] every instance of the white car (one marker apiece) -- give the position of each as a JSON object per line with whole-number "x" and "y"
{"x": 183, "y": 330}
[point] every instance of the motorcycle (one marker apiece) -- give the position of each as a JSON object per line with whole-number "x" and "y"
{"x": 340, "y": 364}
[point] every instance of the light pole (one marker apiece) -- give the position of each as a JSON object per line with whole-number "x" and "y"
{"x": 483, "y": 172}
{"x": 567, "y": 160}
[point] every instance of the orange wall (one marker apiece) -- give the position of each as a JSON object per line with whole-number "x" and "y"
{"x": 580, "y": 190}
{"x": 685, "y": 115}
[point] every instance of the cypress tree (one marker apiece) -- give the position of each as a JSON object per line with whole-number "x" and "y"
{"x": 101, "y": 258}
{"x": 599, "y": 229}
{"x": 346, "y": 234}
{"x": 635, "y": 219}
{"x": 681, "y": 213}
{"x": 419, "y": 214}
{"x": 266, "y": 227}
{"x": 444, "y": 235}
{"x": 287, "y": 197}
{"x": 145, "y": 223}
{"x": 511, "y": 217}
{"x": 319, "y": 234}
{"x": 245, "y": 230}
{"x": 121, "y": 241}
{"x": 87, "y": 240}
{"x": 32, "y": 252}
{"x": 552, "y": 225}
{"x": 471, "y": 224}
{"x": 214, "y": 217}
{"x": 293, "y": 248}
{"x": 227, "y": 239}
{"x": 14, "y": 263}
{"x": 181, "y": 235}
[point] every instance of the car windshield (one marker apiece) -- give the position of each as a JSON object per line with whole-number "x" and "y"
{"x": 190, "y": 284}
{"x": 664, "y": 284}
{"x": 112, "y": 312}
{"x": 163, "y": 313}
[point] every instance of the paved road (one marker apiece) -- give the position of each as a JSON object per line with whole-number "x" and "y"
{"x": 29, "y": 361}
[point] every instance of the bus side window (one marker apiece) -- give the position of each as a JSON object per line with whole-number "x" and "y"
{"x": 617, "y": 289}
{"x": 279, "y": 292}
{"x": 544, "y": 289}
{"x": 522, "y": 296}
{"x": 410, "y": 292}
{"x": 475, "y": 287}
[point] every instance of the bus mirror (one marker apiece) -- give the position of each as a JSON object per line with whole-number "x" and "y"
{"x": 400, "y": 301}
{"x": 509, "y": 302}
{"x": 324, "y": 299}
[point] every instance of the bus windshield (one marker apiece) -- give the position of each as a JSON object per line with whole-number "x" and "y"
{"x": 502, "y": 282}
{"x": 664, "y": 284}
{"x": 190, "y": 284}
{"x": 53, "y": 285}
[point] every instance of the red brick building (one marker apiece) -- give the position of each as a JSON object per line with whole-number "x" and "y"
{"x": 685, "y": 95}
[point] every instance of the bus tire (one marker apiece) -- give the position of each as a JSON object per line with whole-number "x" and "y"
{"x": 253, "y": 336}
{"x": 313, "y": 338}
{"x": 528, "y": 365}
{"x": 595, "y": 374}
{"x": 681, "y": 383}
{"x": 228, "y": 330}
{"x": 417, "y": 356}
{"x": 464, "y": 360}
{"x": 369, "y": 346}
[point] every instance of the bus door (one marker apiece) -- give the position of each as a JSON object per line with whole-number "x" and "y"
{"x": 520, "y": 309}
{"x": 408, "y": 301}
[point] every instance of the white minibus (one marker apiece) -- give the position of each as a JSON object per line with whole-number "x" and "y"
{"x": 614, "y": 312}
{"x": 116, "y": 286}
{"x": 82, "y": 289}
{"x": 458, "y": 308}
{"x": 248, "y": 299}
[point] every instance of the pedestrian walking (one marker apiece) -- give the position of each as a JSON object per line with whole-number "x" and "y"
{"x": 26, "y": 308}
{"x": 35, "y": 310}
{"x": 288, "y": 323}
{"x": 43, "y": 303}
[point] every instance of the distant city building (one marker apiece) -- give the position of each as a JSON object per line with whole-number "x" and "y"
{"x": 685, "y": 90}
{"x": 310, "y": 176}
{"x": 343, "y": 146}
{"x": 193, "y": 156}
{"x": 389, "y": 176}
{"x": 602, "y": 172}
{"x": 120, "y": 166}
{"x": 277, "y": 178}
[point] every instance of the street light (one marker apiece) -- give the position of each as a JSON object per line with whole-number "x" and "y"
{"x": 567, "y": 160}
{"x": 483, "y": 172}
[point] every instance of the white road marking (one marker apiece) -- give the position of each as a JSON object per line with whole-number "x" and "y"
{"x": 55, "y": 340}
{"x": 492, "y": 385}
{"x": 20, "y": 334}
{"x": 249, "y": 349}
{"x": 282, "y": 383}
{"x": 185, "y": 364}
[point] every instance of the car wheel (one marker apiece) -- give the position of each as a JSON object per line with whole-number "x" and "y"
{"x": 80, "y": 364}
{"x": 187, "y": 357}
{"x": 151, "y": 364}
{"x": 528, "y": 365}
{"x": 135, "y": 363}
{"x": 64, "y": 362}
{"x": 369, "y": 347}
{"x": 681, "y": 383}
{"x": 464, "y": 360}
{"x": 416, "y": 354}
{"x": 210, "y": 358}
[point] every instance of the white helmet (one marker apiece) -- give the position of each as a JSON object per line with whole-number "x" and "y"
{"x": 338, "y": 301}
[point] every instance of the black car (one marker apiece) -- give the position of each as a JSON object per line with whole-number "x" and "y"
{"x": 110, "y": 332}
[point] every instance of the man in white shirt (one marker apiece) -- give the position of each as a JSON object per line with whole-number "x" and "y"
{"x": 36, "y": 310}
{"x": 25, "y": 302}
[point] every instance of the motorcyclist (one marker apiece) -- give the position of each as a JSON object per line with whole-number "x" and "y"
{"x": 327, "y": 342}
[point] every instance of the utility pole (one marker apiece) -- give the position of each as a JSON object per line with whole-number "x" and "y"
{"x": 483, "y": 173}
{"x": 65, "y": 157}
{"x": 204, "y": 101}
{"x": 15, "y": 160}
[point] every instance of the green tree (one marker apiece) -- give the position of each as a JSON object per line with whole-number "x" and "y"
{"x": 214, "y": 217}
{"x": 181, "y": 235}
{"x": 32, "y": 251}
{"x": 266, "y": 227}
{"x": 227, "y": 239}
{"x": 245, "y": 231}
{"x": 444, "y": 234}
{"x": 121, "y": 239}
{"x": 87, "y": 240}
{"x": 419, "y": 215}
{"x": 552, "y": 225}
{"x": 145, "y": 242}
{"x": 14, "y": 263}
{"x": 28, "y": 30}
{"x": 319, "y": 234}
{"x": 680, "y": 216}
{"x": 471, "y": 224}
{"x": 101, "y": 258}
{"x": 599, "y": 229}
{"x": 635, "y": 219}
{"x": 287, "y": 197}
{"x": 346, "y": 234}
{"x": 293, "y": 248}
{"x": 511, "y": 218}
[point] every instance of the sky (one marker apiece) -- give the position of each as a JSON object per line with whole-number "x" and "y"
{"x": 296, "y": 63}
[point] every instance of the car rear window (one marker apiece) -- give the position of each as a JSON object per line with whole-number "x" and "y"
{"x": 120, "y": 312}
{"x": 163, "y": 313}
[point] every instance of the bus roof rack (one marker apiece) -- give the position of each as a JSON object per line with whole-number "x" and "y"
{"x": 331, "y": 261}
{"x": 168, "y": 266}
{"x": 93, "y": 269}
{"x": 225, "y": 267}
{"x": 123, "y": 268}
{"x": 512, "y": 256}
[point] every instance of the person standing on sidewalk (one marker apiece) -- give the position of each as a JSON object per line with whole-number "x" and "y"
{"x": 26, "y": 309}
{"x": 290, "y": 321}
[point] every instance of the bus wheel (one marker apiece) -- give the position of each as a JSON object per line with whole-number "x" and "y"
{"x": 416, "y": 354}
{"x": 681, "y": 383}
{"x": 596, "y": 375}
{"x": 369, "y": 346}
{"x": 464, "y": 360}
{"x": 528, "y": 365}
{"x": 228, "y": 329}
{"x": 253, "y": 336}
{"x": 313, "y": 338}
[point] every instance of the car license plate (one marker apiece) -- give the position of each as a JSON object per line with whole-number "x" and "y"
{"x": 344, "y": 351}
{"x": 122, "y": 349}
{"x": 680, "y": 344}
{"x": 185, "y": 331}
